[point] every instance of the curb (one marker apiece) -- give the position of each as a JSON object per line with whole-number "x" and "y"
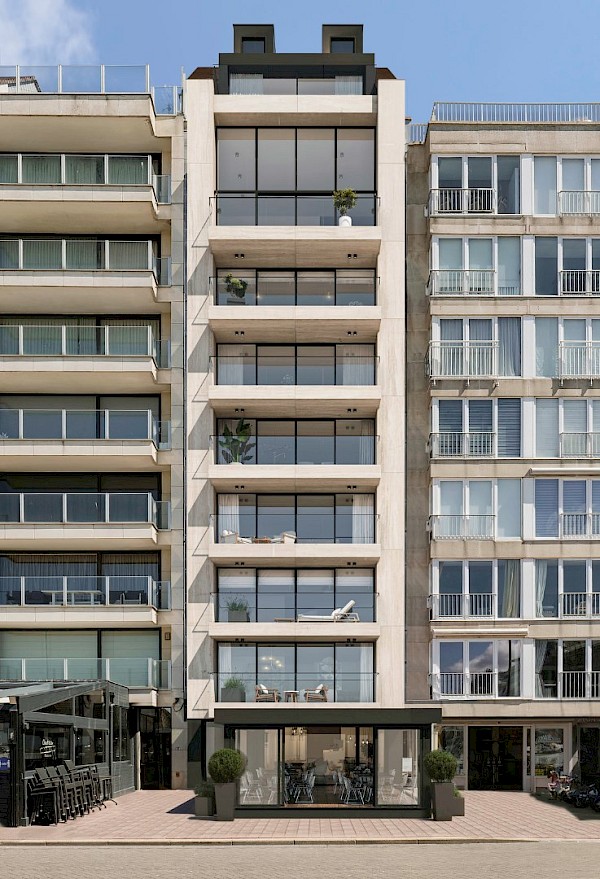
{"x": 447, "y": 840}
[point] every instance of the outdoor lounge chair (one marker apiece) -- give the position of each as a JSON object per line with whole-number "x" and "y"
{"x": 266, "y": 694}
{"x": 339, "y": 615}
{"x": 316, "y": 694}
{"x": 233, "y": 537}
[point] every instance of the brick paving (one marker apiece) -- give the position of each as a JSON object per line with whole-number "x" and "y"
{"x": 167, "y": 817}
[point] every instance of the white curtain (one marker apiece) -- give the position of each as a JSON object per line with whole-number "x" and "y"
{"x": 8, "y": 169}
{"x": 357, "y": 362}
{"x": 366, "y": 673}
{"x": 84, "y": 169}
{"x": 246, "y": 84}
{"x": 128, "y": 255}
{"x": 366, "y": 447}
{"x": 348, "y": 85}
{"x": 229, "y": 513}
{"x": 41, "y": 170}
{"x": 512, "y": 589}
{"x": 230, "y": 365}
{"x": 363, "y": 523}
{"x": 128, "y": 170}
{"x": 509, "y": 344}
{"x": 84, "y": 254}
{"x": 541, "y": 577}
{"x": 541, "y": 645}
{"x": 42, "y": 253}
{"x": 131, "y": 336}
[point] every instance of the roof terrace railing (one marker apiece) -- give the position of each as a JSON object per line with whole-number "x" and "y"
{"x": 416, "y": 132}
{"x": 90, "y": 79}
{"x": 452, "y": 111}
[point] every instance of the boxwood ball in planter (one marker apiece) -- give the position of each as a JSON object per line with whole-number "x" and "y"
{"x": 441, "y": 767}
{"x": 225, "y": 767}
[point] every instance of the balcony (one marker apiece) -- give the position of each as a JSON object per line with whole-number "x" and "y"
{"x": 139, "y": 673}
{"x": 580, "y": 605}
{"x": 87, "y": 592}
{"x": 460, "y": 527}
{"x": 579, "y": 445}
{"x": 450, "y": 444}
{"x": 579, "y": 526}
{"x": 470, "y": 282}
{"x": 251, "y": 209}
{"x": 457, "y": 605}
{"x": 578, "y": 203}
{"x": 457, "y": 201}
{"x": 257, "y": 84}
{"x": 463, "y": 360}
{"x": 579, "y": 282}
{"x": 300, "y": 528}
{"x": 290, "y": 689}
{"x": 330, "y": 368}
{"x": 579, "y": 685}
{"x": 343, "y": 288}
{"x": 465, "y": 684}
{"x": 578, "y": 360}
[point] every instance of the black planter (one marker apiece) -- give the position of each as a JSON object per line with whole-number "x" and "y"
{"x": 225, "y": 799}
{"x": 443, "y": 800}
{"x": 203, "y": 807}
{"x": 232, "y": 694}
{"x": 237, "y": 616}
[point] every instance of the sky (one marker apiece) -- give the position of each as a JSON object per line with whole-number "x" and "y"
{"x": 446, "y": 50}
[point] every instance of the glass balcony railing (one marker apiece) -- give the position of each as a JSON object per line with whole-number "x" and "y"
{"x": 136, "y": 672}
{"x": 83, "y": 255}
{"x": 280, "y": 604}
{"x": 249, "y": 209}
{"x": 302, "y": 288}
{"x": 56, "y": 340}
{"x": 284, "y": 450}
{"x": 257, "y": 84}
{"x": 317, "y": 687}
{"x": 288, "y": 369}
{"x": 84, "y": 424}
{"x": 78, "y": 508}
{"x": 82, "y": 591}
{"x": 287, "y": 527}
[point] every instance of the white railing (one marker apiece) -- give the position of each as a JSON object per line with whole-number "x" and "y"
{"x": 416, "y": 132}
{"x": 579, "y": 685}
{"x": 453, "y": 111}
{"x": 579, "y": 202}
{"x": 463, "y": 359}
{"x": 462, "y": 282}
{"x": 579, "y": 360}
{"x": 579, "y": 282}
{"x": 455, "y": 200}
{"x": 467, "y": 684}
{"x": 136, "y": 672}
{"x": 579, "y": 445}
{"x": 578, "y": 525}
{"x": 459, "y": 605}
{"x": 460, "y": 527}
{"x": 448, "y": 444}
{"x": 580, "y": 604}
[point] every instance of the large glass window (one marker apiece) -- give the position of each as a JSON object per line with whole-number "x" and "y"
{"x": 356, "y": 159}
{"x": 398, "y": 761}
{"x": 276, "y": 159}
{"x": 544, "y": 185}
{"x": 236, "y": 156}
{"x": 316, "y": 158}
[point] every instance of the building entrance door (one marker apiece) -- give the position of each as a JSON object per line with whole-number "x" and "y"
{"x": 495, "y": 758}
{"x": 154, "y": 725}
{"x": 589, "y": 753}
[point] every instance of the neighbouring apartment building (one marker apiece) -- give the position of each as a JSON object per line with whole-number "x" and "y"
{"x": 503, "y": 362}
{"x": 318, "y": 486}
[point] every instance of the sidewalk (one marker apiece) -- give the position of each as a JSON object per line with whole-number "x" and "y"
{"x": 159, "y": 817}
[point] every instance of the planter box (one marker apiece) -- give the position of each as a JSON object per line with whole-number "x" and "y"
{"x": 443, "y": 800}
{"x": 459, "y": 807}
{"x": 233, "y": 694}
{"x": 237, "y": 616}
{"x": 225, "y": 798}
{"x": 203, "y": 807}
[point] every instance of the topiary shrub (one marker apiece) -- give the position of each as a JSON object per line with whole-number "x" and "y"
{"x": 226, "y": 765}
{"x": 440, "y": 765}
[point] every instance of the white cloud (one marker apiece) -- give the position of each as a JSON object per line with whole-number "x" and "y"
{"x": 45, "y": 32}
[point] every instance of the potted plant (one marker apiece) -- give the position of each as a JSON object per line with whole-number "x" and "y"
{"x": 344, "y": 200}
{"x": 441, "y": 767}
{"x": 233, "y": 690}
{"x": 237, "y": 610}
{"x": 236, "y": 286}
{"x": 236, "y": 446}
{"x": 204, "y": 801}
{"x": 459, "y": 804}
{"x": 225, "y": 767}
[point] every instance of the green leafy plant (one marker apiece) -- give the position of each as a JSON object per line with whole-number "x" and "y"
{"x": 440, "y": 765}
{"x": 237, "y": 604}
{"x": 236, "y": 286}
{"x": 237, "y": 446}
{"x": 205, "y": 789}
{"x": 226, "y": 765}
{"x": 344, "y": 200}
{"x": 234, "y": 684}
{"x": 457, "y": 793}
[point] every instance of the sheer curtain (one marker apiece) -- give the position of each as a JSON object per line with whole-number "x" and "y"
{"x": 230, "y": 365}
{"x": 541, "y": 577}
{"x": 42, "y": 253}
{"x": 546, "y": 346}
{"x": 8, "y": 169}
{"x": 348, "y": 85}
{"x": 128, "y": 170}
{"x": 366, "y": 673}
{"x": 357, "y": 362}
{"x": 366, "y": 447}
{"x": 84, "y": 254}
{"x": 229, "y": 514}
{"x": 246, "y": 84}
{"x": 41, "y": 170}
{"x": 509, "y": 344}
{"x": 128, "y": 255}
{"x": 84, "y": 169}
{"x": 131, "y": 336}
{"x": 541, "y": 645}
{"x": 363, "y": 520}
{"x": 511, "y": 598}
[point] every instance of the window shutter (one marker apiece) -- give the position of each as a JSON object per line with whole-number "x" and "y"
{"x": 509, "y": 428}
{"x": 546, "y": 507}
{"x": 480, "y": 416}
{"x": 574, "y": 496}
{"x": 450, "y": 416}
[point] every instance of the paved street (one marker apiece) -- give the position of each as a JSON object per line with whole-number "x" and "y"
{"x": 517, "y": 860}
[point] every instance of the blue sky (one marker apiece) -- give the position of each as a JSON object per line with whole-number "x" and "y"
{"x": 457, "y": 50}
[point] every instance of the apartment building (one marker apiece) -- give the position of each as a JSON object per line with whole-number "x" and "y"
{"x": 295, "y": 428}
{"x": 503, "y": 363}
{"x": 91, "y": 416}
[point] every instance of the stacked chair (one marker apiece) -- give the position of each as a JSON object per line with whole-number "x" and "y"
{"x": 61, "y": 793}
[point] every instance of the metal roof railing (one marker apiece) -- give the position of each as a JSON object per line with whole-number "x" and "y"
{"x": 458, "y": 111}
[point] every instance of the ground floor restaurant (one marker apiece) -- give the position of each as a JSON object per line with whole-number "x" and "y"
{"x": 514, "y": 756}
{"x": 324, "y": 761}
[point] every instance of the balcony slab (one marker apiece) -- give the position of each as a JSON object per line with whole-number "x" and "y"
{"x": 89, "y": 536}
{"x": 297, "y": 632}
{"x": 313, "y": 477}
{"x": 319, "y": 246}
{"x": 295, "y": 400}
{"x": 90, "y": 616}
{"x": 294, "y": 323}
{"x": 77, "y": 455}
{"x": 280, "y": 554}
{"x": 87, "y": 374}
{"x": 295, "y": 109}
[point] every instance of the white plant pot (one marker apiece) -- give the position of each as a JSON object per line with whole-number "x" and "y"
{"x": 346, "y": 220}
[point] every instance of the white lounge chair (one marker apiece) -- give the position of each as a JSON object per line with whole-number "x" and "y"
{"x": 339, "y": 615}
